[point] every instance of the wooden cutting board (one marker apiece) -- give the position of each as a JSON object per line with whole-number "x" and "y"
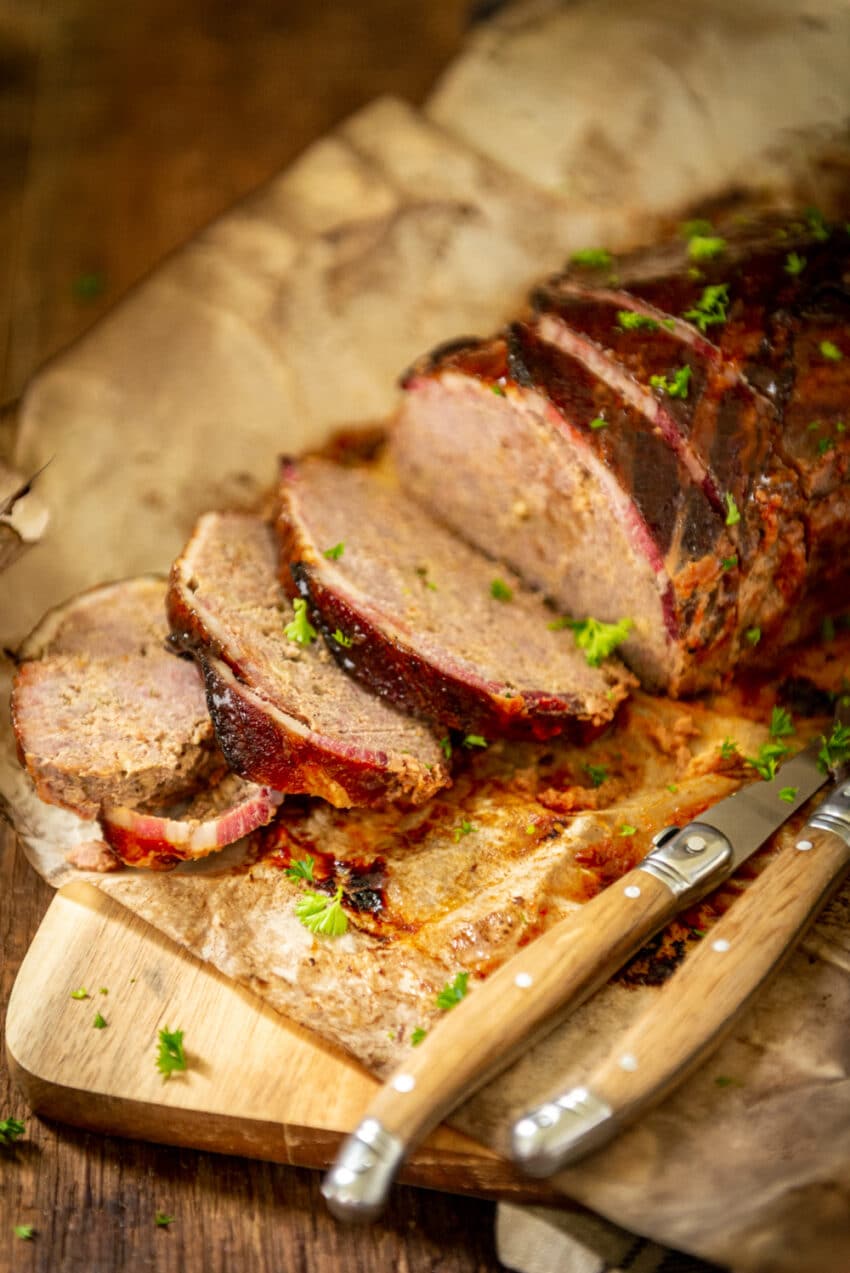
{"x": 256, "y": 1084}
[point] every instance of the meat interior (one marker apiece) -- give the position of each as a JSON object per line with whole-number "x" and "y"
{"x": 515, "y": 486}
{"x": 103, "y": 711}
{"x": 433, "y": 595}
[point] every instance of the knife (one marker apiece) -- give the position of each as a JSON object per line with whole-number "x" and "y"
{"x": 535, "y": 989}
{"x": 702, "y": 1001}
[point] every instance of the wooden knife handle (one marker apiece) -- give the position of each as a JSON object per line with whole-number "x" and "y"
{"x": 479, "y": 1037}
{"x": 695, "y": 1009}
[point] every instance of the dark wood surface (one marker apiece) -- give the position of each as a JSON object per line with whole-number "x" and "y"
{"x": 123, "y": 128}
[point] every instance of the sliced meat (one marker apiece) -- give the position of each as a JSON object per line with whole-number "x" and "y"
{"x": 213, "y": 819}
{"x": 411, "y": 611}
{"x": 748, "y": 396}
{"x": 286, "y": 715}
{"x": 103, "y": 711}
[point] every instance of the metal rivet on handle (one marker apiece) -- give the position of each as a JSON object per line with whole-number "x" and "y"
{"x": 628, "y": 1062}
{"x": 404, "y": 1082}
{"x": 804, "y": 845}
{"x": 695, "y": 844}
{"x": 721, "y": 944}
{"x": 523, "y": 980}
{"x": 632, "y": 891}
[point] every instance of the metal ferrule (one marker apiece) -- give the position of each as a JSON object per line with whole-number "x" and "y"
{"x": 555, "y": 1133}
{"x": 690, "y": 859}
{"x": 357, "y": 1185}
{"x": 834, "y": 814}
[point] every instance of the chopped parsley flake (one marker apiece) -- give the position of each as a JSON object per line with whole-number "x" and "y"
{"x": 817, "y": 225}
{"x": 794, "y": 263}
{"x": 498, "y": 390}
{"x": 599, "y": 258}
{"x": 300, "y": 629}
{"x": 703, "y": 247}
{"x": 417, "y": 1035}
{"x": 451, "y": 994}
{"x": 597, "y": 639}
{"x": 334, "y": 554}
{"x": 341, "y": 639}
{"x": 767, "y": 760}
{"x": 827, "y": 629}
{"x": 500, "y": 591}
{"x": 632, "y": 322}
{"x": 723, "y": 1080}
{"x": 728, "y": 749}
{"x": 422, "y": 572}
{"x": 99, "y": 1022}
{"x": 302, "y": 869}
{"x": 465, "y": 828}
{"x": 162, "y": 1221}
{"x": 733, "y": 514}
{"x": 753, "y": 635}
{"x": 599, "y": 423}
{"x": 24, "y": 1231}
{"x": 836, "y": 749}
{"x": 789, "y": 794}
{"x": 711, "y": 308}
{"x": 729, "y": 563}
{"x": 675, "y": 386}
{"x": 626, "y": 829}
{"x": 672, "y": 788}
{"x": 11, "y": 1129}
{"x": 474, "y": 740}
{"x": 781, "y": 724}
{"x": 170, "y": 1057}
{"x": 531, "y": 828}
{"x": 696, "y": 228}
{"x": 103, "y": 991}
{"x": 825, "y": 444}
{"x": 323, "y": 915}
{"x": 82, "y": 993}
{"x": 446, "y": 745}
{"x": 596, "y": 773}
{"x": 830, "y": 351}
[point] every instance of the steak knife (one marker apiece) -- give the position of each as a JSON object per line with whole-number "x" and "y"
{"x": 700, "y": 1003}
{"x": 535, "y": 989}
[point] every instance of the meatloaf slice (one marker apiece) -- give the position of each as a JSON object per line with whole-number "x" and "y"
{"x": 284, "y": 712}
{"x": 427, "y": 621}
{"x": 104, "y": 712}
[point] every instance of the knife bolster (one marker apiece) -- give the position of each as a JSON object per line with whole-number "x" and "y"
{"x": 834, "y": 814}
{"x": 689, "y": 860}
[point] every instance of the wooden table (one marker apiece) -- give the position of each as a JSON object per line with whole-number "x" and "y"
{"x": 123, "y": 128}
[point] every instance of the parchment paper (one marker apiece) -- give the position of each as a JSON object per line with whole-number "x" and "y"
{"x": 294, "y": 314}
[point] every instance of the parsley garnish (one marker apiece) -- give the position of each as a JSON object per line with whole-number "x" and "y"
{"x": 422, "y": 572}
{"x": 162, "y": 1221}
{"x": 723, "y": 1080}
{"x": 465, "y": 828}
{"x": 672, "y": 788}
{"x": 695, "y": 229}
{"x": 753, "y": 635}
{"x": 789, "y": 794}
{"x": 446, "y": 745}
{"x": 596, "y": 773}
{"x": 11, "y": 1129}
{"x": 702, "y": 247}
{"x": 627, "y": 829}
{"x": 597, "y": 639}
{"x": 82, "y": 993}
{"x": 302, "y": 869}
{"x": 836, "y": 749}
{"x": 728, "y": 749}
{"x": 300, "y": 629}
{"x": 597, "y": 257}
{"x": 632, "y": 322}
{"x": 103, "y": 991}
{"x": 729, "y": 563}
{"x": 817, "y": 225}
{"x": 500, "y": 591}
{"x": 498, "y": 391}
{"x": 711, "y": 307}
{"x": 99, "y": 1022}
{"x": 599, "y": 423}
{"x": 675, "y": 386}
{"x": 733, "y": 514}
{"x": 781, "y": 724}
{"x": 827, "y": 629}
{"x": 794, "y": 263}
{"x": 830, "y": 351}
{"x": 170, "y": 1056}
{"x": 25, "y": 1231}
{"x": 417, "y": 1035}
{"x": 453, "y": 992}
{"x": 474, "y": 740}
{"x": 323, "y": 915}
{"x": 334, "y": 554}
{"x": 342, "y": 639}
{"x": 87, "y": 287}
{"x": 767, "y": 761}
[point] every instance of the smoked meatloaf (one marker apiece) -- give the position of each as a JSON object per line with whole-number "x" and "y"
{"x": 661, "y": 437}
{"x": 426, "y": 621}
